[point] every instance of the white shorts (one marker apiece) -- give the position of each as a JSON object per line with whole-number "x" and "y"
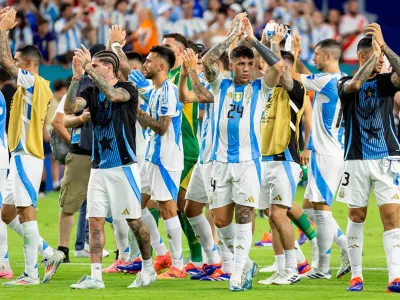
{"x": 360, "y": 175}
{"x": 140, "y": 161}
{"x": 279, "y": 181}
{"x": 324, "y": 174}
{"x": 162, "y": 185}
{"x": 23, "y": 181}
{"x": 199, "y": 184}
{"x": 144, "y": 178}
{"x": 114, "y": 192}
{"x": 235, "y": 182}
{"x": 3, "y": 179}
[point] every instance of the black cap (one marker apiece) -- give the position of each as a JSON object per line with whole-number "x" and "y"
{"x": 96, "y": 48}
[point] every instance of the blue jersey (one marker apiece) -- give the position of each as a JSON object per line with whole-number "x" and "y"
{"x": 368, "y": 115}
{"x": 3, "y": 136}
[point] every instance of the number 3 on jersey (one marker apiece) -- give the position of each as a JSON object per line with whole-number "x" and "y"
{"x": 235, "y": 108}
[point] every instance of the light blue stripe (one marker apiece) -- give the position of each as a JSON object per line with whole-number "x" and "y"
{"x": 25, "y": 180}
{"x": 128, "y": 147}
{"x": 233, "y": 151}
{"x": 255, "y": 149}
{"x": 289, "y": 174}
{"x": 45, "y": 245}
{"x": 391, "y": 129}
{"x": 132, "y": 182}
{"x": 172, "y": 188}
{"x": 126, "y": 250}
{"x": 1, "y": 200}
{"x": 350, "y": 138}
{"x": 320, "y": 181}
{"x": 329, "y": 108}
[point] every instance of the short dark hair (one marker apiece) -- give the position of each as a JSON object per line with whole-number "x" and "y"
{"x": 42, "y": 21}
{"x": 287, "y": 56}
{"x": 165, "y": 53}
{"x": 64, "y": 6}
{"x": 30, "y": 51}
{"x": 109, "y": 57}
{"x": 364, "y": 44}
{"x": 242, "y": 51}
{"x": 4, "y": 76}
{"x": 133, "y": 55}
{"x": 192, "y": 45}
{"x": 177, "y": 37}
{"x": 333, "y": 47}
{"x": 59, "y": 84}
{"x": 224, "y": 59}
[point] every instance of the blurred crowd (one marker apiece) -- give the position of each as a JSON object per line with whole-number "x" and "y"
{"x": 58, "y": 27}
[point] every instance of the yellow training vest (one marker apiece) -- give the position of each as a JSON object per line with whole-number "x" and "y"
{"x": 275, "y": 124}
{"x": 41, "y": 98}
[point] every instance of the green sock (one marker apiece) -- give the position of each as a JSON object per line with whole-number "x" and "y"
{"x": 305, "y": 226}
{"x": 155, "y": 213}
{"x": 196, "y": 254}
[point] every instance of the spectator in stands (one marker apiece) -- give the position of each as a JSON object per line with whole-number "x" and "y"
{"x": 233, "y": 10}
{"x": 44, "y": 40}
{"x": 351, "y": 29}
{"x": 164, "y": 25}
{"x": 320, "y": 30}
{"x": 267, "y": 16}
{"x": 210, "y": 15}
{"x": 29, "y": 11}
{"x": 8, "y": 88}
{"x": 279, "y": 12}
{"x": 300, "y": 15}
{"x": 101, "y": 21}
{"x": 68, "y": 31}
{"x": 21, "y": 34}
{"x": 49, "y": 10}
{"x": 177, "y": 12}
{"x": 146, "y": 36}
{"x": 333, "y": 21}
{"x": 219, "y": 29}
{"x": 192, "y": 28}
{"x": 118, "y": 14}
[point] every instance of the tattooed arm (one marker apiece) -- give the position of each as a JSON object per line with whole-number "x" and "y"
{"x": 184, "y": 95}
{"x": 70, "y": 100}
{"x": 202, "y": 94}
{"x": 286, "y": 79}
{"x": 354, "y": 84}
{"x": 394, "y": 60}
{"x": 124, "y": 67}
{"x": 158, "y": 126}
{"x": 6, "y": 60}
{"x": 210, "y": 59}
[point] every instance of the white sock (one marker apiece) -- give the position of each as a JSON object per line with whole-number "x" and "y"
{"x": 4, "y": 262}
{"x": 290, "y": 260}
{"x": 355, "y": 241}
{"x": 300, "y": 258}
{"x": 16, "y": 226}
{"x": 155, "y": 238}
{"x": 325, "y": 224}
{"x": 174, "y": 232}
{"x": 314, "y": 245}
{"x": 226, "y": 256}
{"x": 134, "y": 250}
{"x": 391, "y": 243}
{"x": 96, "y": 271}
{"x": 203, "y": 232}
{"x": 340, "y": 239}
{"x": 30, "y": 235}
{"x": 45, "y": 250}
{"x": 280, "y": 262}
{"x": 121, "y": 229}
{"x": 309, "y": 212}
{"x": 147, "y": 266}
{"x": 242, "y": 244}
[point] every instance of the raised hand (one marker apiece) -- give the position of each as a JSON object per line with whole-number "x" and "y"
{"x": 8, "y": 20}
{"x": 3, "y": 11}
{"x": 117, "y": 34}
{"x": 376, "y": 47}
{"x": 83, "y": 56}
{"x": 279, "y": 33}
{"x": 296, "y": 43}
{"x": 190, "y": 59}
{"x": 375, "y": 31}
{"x": 236, "y": 25}
{"x": 77, "y": 69}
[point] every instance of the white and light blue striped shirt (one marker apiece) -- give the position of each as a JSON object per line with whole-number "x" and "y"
{"x": 69, "y": 40}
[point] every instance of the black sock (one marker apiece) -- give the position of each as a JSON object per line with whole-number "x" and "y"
{"x": 42, "y": 187}
{"x": 116, "y": 254}
{"x": 65, "y": 250}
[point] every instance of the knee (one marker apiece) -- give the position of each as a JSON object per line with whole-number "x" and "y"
{"x": 357, "y": 216}
{"x": 390, "y": 220}
{"x": 96, "y": 224}
{"x": 181, "y": 206}
{"x": 221, "y": 222}
{"x": 6, "y": 218}
{"x": 277, "y": 215}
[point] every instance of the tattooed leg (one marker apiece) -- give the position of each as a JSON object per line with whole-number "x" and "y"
{"x": 142, "y": 235}
{"x": 97, "y": 239}
{"x": 243, "y": 214}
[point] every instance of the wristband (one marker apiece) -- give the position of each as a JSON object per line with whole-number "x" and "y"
{"x": 76, "y": 79}
{"x": 383, "y": 46}
{"x": 81, "y": 119}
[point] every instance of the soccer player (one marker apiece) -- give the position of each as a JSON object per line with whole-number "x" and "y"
{"x": 326, "y": 162}
{"x": 372, "y": 153}
{"x": 25, "y": 142}
{"x": 197, "y": 194}
{"x": 280, "y": 130}
{"x": 114, "y": 179}
{"x": 165, "y": 152}
{"x": 235, "y": 175}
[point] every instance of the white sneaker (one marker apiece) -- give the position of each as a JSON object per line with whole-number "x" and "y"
{"x": 143, "y": 279}
{"x": 286, "y": 278}
{"x": 51, "y": 265}
{"x": 269, "y": 280}
{"x": 81, "y": 253}
{"x": 24, "y": 279}
{"x": 88, "y": 283}
{"x": 315, "y": 274}
{"x": 270, "y": 269}
{"x": 344, "y": 267}
{"x": 86, "y": 249}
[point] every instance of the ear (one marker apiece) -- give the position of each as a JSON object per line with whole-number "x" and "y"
{"x": 230, "y": 66}
{"x": 360, "y": 56}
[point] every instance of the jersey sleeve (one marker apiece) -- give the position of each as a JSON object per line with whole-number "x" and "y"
{"x": 265, "y": 91}
{"x": 297, "y": 93}
{"x": 86, "y": 94}
{"x": 168, "y": 101}
{"x": 26, "y": 80}
{"x": 386, "y": 86}
{"x": 215, "y": 86}
{"x": 315, "y": 82}
{"x": 60, "y": 107}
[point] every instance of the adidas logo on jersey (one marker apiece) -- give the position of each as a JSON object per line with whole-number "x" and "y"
{"x": 396, "y": 197}
{"x": 239, "y": 247}
{"x": 278, "y": 198}
{"x": 251, "y": 200}
{"x": 125, "y": 212}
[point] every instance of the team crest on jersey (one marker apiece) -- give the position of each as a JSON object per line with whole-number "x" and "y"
{"x": 341, "y": 193}
{"x": 237, "y": 96}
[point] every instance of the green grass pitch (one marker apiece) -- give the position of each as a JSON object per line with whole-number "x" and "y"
{"x": 374, "y": 262}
